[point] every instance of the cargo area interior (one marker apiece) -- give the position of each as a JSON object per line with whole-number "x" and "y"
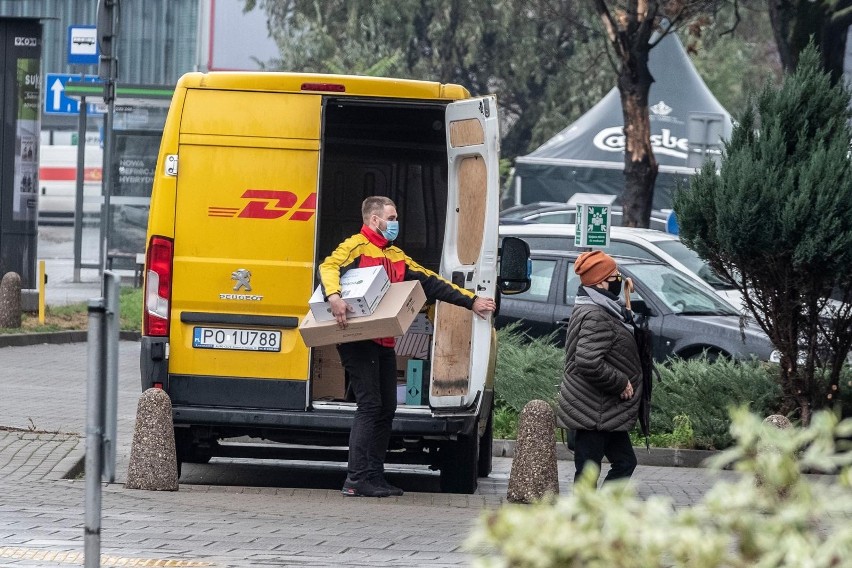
{"x": 398, "y": 150}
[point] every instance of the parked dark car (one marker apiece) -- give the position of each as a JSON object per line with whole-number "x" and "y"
{"x": 686, "y": 318}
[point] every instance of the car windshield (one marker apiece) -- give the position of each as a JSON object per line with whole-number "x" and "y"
{"x": 690, "y": 259}
{"x": 678, "y": 292}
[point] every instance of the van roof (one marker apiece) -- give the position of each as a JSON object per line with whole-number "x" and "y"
{"x": 339, "y": 85}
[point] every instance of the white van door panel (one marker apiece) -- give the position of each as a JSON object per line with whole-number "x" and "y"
{"x": 462, "y": 341}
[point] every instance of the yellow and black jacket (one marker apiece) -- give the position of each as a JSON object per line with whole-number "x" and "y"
{"x": 369, "y": 248}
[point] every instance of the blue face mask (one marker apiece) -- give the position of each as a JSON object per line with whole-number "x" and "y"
{"x": 391, "y": 232}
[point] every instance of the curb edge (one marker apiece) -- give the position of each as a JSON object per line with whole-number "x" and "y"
{"x": 57, "y": 338}
{"x": 663, "y": 457}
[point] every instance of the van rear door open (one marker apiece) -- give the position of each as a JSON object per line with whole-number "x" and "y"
{"x": 470, "y": 252}
{"x": 244, "y": 249}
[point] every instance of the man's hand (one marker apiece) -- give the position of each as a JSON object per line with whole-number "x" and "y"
{"x": 628, "y": 392}
{"x": 339, "y": 309}
{"x": 483, "y": 306}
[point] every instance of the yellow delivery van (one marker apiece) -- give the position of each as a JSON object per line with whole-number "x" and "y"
{"x": 259, "y": 177}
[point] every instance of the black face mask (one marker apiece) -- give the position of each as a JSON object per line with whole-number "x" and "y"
{"x": 615, "y": 286}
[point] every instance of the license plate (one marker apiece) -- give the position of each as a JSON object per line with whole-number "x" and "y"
{"x": 238, "y": 339}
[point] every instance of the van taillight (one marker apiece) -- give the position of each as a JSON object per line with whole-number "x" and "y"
{"x": 158, "y": 286}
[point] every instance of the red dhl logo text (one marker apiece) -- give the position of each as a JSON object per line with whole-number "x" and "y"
{"x": 270, "y": 204}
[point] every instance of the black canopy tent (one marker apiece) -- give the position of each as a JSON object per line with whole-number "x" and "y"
{"x": 687, "y": 125}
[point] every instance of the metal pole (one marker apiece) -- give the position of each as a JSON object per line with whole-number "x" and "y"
{"x": 108, "y": 71}
{"x": 94, "y": 433}
{"x": 78, "y": 200}
{"x": 107, "y": 177}
{"x": 111, "y": 296}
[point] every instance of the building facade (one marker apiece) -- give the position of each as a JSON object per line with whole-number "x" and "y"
{"x": 158, "y": 40}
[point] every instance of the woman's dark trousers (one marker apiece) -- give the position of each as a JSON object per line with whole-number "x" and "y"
{"x": 591, "y": 446}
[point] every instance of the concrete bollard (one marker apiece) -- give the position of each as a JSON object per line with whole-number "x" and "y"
{"x": 779, "y": 421}
{"x": 534, "y": 475}
{"x": 153, "y": 463}
{"x": 10, "y": 300}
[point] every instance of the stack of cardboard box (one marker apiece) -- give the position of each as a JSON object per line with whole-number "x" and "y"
{"x": 328, "y": 379}
{"x": 381, "y": 310}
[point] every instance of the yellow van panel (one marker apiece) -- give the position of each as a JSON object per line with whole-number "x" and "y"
{"x": 356, "y": 85}
{"x": 260, "y": 115}
{"x": 243, "y": 208}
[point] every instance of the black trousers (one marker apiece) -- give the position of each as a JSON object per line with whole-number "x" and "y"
{"x": 592, "y": 446}
{"x": 372, "y": 378}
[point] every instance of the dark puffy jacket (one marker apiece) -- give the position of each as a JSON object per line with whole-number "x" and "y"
{"x": 600, "y": 357}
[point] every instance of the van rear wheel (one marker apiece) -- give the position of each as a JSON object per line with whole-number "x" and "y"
{"x": 189, "y": 449}
{"x": 460, "y": 464}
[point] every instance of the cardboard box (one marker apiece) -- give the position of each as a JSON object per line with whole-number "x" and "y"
{"x": 361, "y": 288}
{"x": 401, "y": 366}
{"x": 394, "y": 314}
{"x": 328, "y": 379}
{"x": 421, "y": 324}
{"x": 414, "y": 345}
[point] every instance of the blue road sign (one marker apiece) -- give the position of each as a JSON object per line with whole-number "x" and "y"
{"x": 83, "y": 45}
{"x": 671, "y": 223}
{"x": 55, "y": 101}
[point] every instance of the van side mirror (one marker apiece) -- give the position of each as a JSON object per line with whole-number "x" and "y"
{"x": 515, "y": 266}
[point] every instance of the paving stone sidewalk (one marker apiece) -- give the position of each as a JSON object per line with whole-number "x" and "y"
{"x": 229, "y": 512}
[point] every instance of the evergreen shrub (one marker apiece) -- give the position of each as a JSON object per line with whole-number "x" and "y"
{"x": 704, "y": 392}
{"x": 527, "y": 368}
{"x": 698, "y": 391}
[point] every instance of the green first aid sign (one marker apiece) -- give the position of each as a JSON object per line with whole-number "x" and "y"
{"x": 592, "y": 228}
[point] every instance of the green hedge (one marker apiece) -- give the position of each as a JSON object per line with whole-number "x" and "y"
{"x": 527, "y": 368}
{"x": 690, "y": 401}
{"x": 704, "y": 392}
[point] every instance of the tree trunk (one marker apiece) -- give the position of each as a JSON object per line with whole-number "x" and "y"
{"x": 833, "y": 44}
{"x": 795, "y": 22}
{"x": 640, "y": 165}
{"x": 779, "y": 16}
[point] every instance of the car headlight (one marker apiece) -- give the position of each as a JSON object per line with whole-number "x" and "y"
{"x": 775, "y": 357}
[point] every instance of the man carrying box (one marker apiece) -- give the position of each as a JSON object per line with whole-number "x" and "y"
{"x": 371, "y": 364}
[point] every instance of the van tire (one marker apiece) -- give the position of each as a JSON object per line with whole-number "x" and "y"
{"x": 460, "y": 464}
{"x": 486, "y": 447}
{"x": 188, "y": 449}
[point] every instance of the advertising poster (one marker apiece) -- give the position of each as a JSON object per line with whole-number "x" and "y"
{"x": 28, "y": 93}
{"x": 134, "y": 162}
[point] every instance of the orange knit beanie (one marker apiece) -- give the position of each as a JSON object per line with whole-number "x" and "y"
{"x": 594, "y": 267}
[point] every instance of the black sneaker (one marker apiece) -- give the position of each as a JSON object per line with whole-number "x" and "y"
{"x": 393, "y": 490}
{"x": 363, "y": 489}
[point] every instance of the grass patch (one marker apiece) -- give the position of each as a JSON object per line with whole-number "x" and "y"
{"x": 130, "y": 308}
{"x": 74, "y": 317}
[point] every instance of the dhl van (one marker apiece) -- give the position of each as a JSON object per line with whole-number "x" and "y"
{"x": 259, "y": 177}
